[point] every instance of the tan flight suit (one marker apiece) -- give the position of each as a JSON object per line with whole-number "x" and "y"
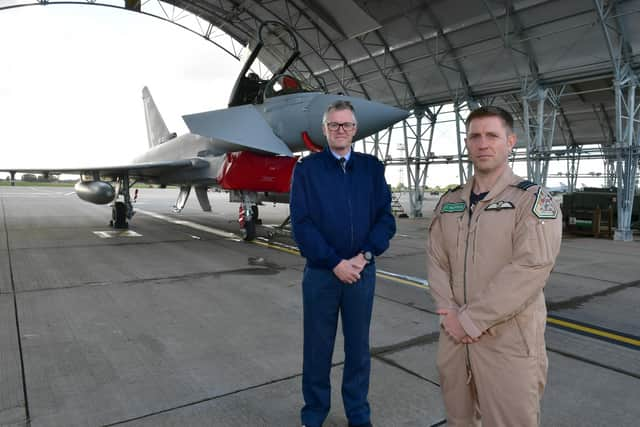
{"x": 491, "y": 267}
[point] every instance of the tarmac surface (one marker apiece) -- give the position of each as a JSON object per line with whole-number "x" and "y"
{"x": 180, "y": 323}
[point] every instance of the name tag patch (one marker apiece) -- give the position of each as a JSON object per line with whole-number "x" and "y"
{"x": 543, "y": 206}
{"x": 453, "y": 207}
{"x": 500, "y": 205}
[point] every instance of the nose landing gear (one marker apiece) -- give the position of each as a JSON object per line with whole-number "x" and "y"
{"x": 248, "y": 217}
{"x": 121, "y": 211}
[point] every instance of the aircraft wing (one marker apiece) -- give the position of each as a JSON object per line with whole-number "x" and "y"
{"x": 134, "y": 170}
{"x": 237, "y": 128}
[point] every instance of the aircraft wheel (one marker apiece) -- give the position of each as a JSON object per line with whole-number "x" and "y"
{"x": 119, "y": 215}
{"x": 249, "y": 231}
{"x": 255, "y": 215}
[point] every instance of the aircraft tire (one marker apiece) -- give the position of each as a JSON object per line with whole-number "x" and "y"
{"x": 255, "y": 215}
{"x": 119, "y": 215}
{"x": 249, "y": 231}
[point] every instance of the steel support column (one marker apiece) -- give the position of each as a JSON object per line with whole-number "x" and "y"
{"x": 378, "y": 144}
{"x": 610, "y": 175}
{"x": 627, "y": 151}
{"x": 539, "y": 128}
{"x": 627, "y": 120}
{"x": 461, "y": 131}
{"x": 574, "y": 153}
{"x": 417, "y": 159}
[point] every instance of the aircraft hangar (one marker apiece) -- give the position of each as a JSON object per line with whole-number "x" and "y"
{"x": 567, "y": 70}
{"x": 189, "y": 325}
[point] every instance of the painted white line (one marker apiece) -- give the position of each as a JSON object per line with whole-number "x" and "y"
{"x": 416, "y": 280}
{"x": 116, "y": 233}
{"x": 70, "y": 193}
{"x": 190, "y": 224}
{"x": 27, "y": 195}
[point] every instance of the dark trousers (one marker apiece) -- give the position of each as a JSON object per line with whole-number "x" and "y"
{"x": 324, "y": 296}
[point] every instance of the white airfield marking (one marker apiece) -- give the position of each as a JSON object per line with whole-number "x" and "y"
{"x": 116, "y": 233}
{"x": 190, "y": 224}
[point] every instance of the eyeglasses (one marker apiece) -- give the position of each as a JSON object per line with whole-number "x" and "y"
{"x": 346, "y": 126}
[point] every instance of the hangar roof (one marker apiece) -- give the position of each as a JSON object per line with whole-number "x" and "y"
{"x": 420, "y": 53}
{"x": 417, "y": 54}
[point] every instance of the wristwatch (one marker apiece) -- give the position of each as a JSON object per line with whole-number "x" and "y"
{"x": 368, "y": 256}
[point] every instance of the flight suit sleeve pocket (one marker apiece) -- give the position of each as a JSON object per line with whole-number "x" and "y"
{"x": 536, "y": 247}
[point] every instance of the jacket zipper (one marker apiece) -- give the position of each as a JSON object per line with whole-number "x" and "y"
{"x": 346, "y": 181}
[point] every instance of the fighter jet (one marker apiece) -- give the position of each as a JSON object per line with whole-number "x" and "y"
{"x": 247, "y": 149}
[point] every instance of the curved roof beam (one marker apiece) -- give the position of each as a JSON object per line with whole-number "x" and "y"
{"x": 449, "y": 47}
{"x": 130, "y": 8}
{"x": 320, "y": 31}
{"x": 383, "y": 73}
{"x": 227, "y": 17}
{"x": 503, "y": 35}
{"x": 418, "y": 40}
{"x": 621, "y": 54}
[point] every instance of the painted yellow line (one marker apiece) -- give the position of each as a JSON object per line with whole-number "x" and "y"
{"x": 268, "y": 245}
{"x": 570, "y": 325}
{"x": 384, "y": 276}
{"x": 593, "y": 331}
{"x": 292, "y": 251}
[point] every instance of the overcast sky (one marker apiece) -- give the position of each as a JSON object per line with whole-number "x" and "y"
{"x": 71, "y": 78}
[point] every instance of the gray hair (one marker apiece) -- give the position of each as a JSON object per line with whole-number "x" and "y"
{"x": 339, "y": 105}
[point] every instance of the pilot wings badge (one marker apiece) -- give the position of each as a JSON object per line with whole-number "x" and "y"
{"x": 500, "y": 205}
{"x": 543, "y": 206}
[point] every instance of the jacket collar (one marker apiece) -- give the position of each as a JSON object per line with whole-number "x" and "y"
{"x": 331, "y": 161}
{"x": 507, "y": 178}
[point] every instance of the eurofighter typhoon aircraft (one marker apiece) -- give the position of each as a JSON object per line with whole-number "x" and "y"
{"x": 246, "y": 149}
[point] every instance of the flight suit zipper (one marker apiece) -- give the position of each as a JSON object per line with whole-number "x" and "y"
{"x": 464, "y": 282}
{"x": 466, "y": 255}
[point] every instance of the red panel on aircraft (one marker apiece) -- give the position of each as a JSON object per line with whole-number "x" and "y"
{"x": 244, "y": 170}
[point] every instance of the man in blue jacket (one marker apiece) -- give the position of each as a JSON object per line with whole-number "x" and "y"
{"x": 341, "y": 218}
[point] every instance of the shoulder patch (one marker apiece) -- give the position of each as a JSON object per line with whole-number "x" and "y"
{"x": 543, "y": 206}
{"x": 453, "y": 207}
{"x": 524, "y": 185}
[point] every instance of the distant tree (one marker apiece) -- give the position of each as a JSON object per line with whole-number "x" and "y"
{"x": 29, "y": 177}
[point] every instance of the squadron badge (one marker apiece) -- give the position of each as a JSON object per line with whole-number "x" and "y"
{"x": 500, "y": 205}
{"x": 543, "y": 206}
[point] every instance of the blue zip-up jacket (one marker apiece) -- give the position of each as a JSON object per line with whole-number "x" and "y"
{"x": 335, "y": 214}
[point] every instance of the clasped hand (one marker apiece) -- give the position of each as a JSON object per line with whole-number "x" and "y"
{"x": 453, "y": 327}
{"x": 348, "y": 270}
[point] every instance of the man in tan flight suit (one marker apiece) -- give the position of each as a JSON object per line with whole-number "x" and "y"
{"x": 493, "y": 243}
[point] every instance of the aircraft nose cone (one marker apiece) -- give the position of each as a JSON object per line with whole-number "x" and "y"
{"x": 372, "y": 116}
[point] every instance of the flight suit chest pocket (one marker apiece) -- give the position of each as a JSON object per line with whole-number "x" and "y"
{"x": 493, "y": 234}
{"x": 451, "y": 232}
